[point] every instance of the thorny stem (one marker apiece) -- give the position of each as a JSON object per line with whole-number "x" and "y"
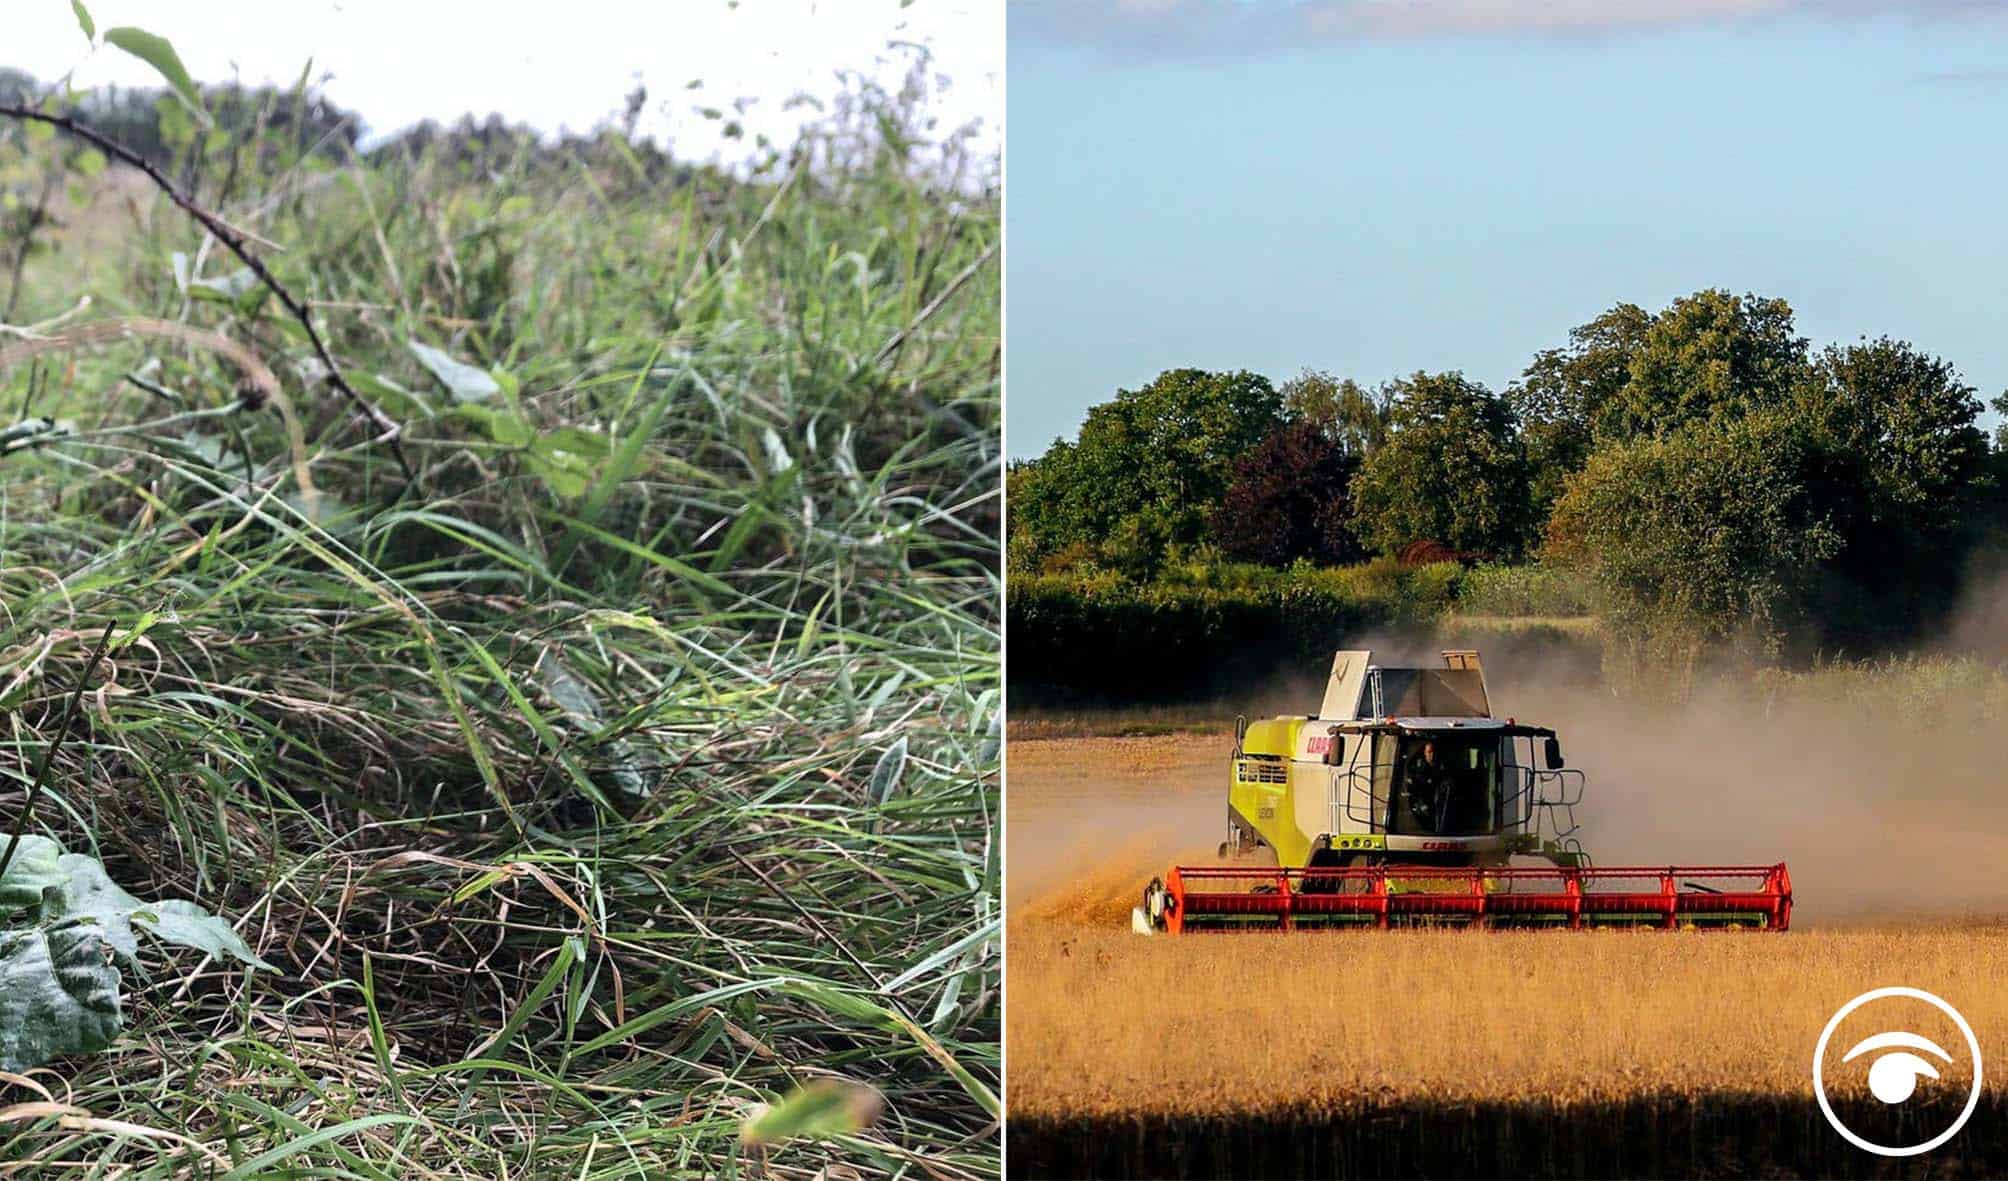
{"x": 237, "y": 241}
{"x": 56, "y": 747}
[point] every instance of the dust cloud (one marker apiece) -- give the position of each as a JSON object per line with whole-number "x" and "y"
{"x": 1878, "y": 815}
{"x": 1088, "y": 821}
{"x": 1882, "y": 811}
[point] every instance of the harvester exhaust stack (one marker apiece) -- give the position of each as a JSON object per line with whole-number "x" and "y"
{"x": 1403, "y": 801}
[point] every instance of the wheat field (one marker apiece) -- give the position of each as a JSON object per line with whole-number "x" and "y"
{"x": 1106, "y": 1023}
{"x": 1473, "y": 1052}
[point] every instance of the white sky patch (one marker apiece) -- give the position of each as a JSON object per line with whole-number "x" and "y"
{"x": 1422, "y": 18}
{"x": 556, "y": 67}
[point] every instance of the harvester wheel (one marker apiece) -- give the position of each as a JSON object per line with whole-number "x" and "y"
{"x": 1157, "y": 902}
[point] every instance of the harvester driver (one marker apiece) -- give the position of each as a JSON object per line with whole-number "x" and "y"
{"x": 1426, "y": 781}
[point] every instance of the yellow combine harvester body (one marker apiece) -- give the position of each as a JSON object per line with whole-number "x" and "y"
{"x": 1403, "y": 765}
{"x": 1403, "y": 801}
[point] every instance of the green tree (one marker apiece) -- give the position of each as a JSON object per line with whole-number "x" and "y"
{"x": 1452, "y": 470}
{"x": 1708, "y": 353}
{"x": 1902, "y": 467}
{"x": 1629, "y": 373}
{"x": 1708, "y": 534}
{"x": 1347, "y": 412}
{"x": 1991, "y": 530}
{"x": 1562, "y": 393}
{"x": 1913, "y": 425}
{"x": 1148, "y": 468}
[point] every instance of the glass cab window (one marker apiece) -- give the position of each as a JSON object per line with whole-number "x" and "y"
{"x": 1445, "y": 785}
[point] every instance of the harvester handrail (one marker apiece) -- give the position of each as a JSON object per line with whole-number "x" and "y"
{"x": 1562, "y": 778}
{"x": 1518, "y": 798}
{"x": 1552, "y": 816}
{"x": 1377, "y": 805}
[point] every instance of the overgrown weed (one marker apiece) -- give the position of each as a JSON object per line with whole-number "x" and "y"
{"x": 557, "y": 783}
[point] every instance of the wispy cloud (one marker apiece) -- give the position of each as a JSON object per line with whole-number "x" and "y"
{"x": 1243, "y": 27}
{"x": 1977, "y": 76}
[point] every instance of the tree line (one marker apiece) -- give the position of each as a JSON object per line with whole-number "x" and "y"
{"x": 286, "y": 124}
{"x": 1704, "y": 468}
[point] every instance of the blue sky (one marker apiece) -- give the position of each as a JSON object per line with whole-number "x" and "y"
{"x": 1376, "y": 186}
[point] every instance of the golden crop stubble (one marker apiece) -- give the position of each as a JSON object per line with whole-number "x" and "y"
{"x": 1103, "y": 1022}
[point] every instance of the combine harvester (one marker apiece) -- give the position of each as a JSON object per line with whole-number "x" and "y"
{"x": 1402, "y": 802}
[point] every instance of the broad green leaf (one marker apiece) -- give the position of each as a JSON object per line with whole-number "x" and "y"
{"x": 90, "y": 162}
{"x": 777, "y": 452}
{"x": 993, "y": 742}
{"x": 572, "y": 695}
{"x": 177, "y": 126}
{"x": 467, "y": 383}
{"x": 225, "y": 288}
{"x": 582, "y": 707}
{"x": 565, "y": 480}
{"x": 567, "y": 460}
{"x": 817, "y": 1110}
{"x": 185, "y": 924}
{"x": 505, "y": 428}
{"x": 87, "y": 891}
{"x": 886, "y": 775}
{"x": 399, "y": 401}
{"x": 323, "y": 509}
{"x": 222, "y": 288}
{"x": 33, "y": 870}
{"x": 156, "y": 52}
{"x": 206, "y": 450}
{"x": 577, "y": 441}
{"x": 59, "y": 994}
{"x": 84, "y": 21}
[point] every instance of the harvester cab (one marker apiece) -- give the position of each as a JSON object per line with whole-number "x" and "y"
{"x": 1405, "y": 766}
{"x": 1404, "y": 800}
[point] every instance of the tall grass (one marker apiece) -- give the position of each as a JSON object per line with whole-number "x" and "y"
{"x": 632, "y": 768}
{"x": 1951, "y": 695}
{"x": 1520, "y": 591}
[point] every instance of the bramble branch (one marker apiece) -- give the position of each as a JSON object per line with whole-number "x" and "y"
{"x": 238, "y": 243}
